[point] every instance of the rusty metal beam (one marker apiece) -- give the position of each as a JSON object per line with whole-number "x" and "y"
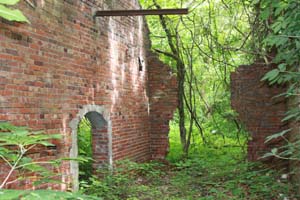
{"x": 109, "y": 13}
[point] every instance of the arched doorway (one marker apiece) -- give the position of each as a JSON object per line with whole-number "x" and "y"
{"x": 101, "y": 140}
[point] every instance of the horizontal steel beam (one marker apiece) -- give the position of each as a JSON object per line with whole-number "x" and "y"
{"x": 108, "y": 13}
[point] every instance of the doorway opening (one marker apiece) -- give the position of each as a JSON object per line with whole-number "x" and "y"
{"x": 91, "y": 139}
{"x": 85, "y": 149}
{"x": 92, "y": 142}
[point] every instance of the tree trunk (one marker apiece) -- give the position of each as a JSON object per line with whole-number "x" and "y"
{"x": 181, "y": 77}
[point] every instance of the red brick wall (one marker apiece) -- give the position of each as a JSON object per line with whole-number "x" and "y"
{"x": 257, "y": 109}
{"x": 100, "y": 147}
{"x": 65, "y": 59}
{"x": 163, "y": 102}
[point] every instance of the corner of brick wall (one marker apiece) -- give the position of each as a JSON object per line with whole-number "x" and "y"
{"x": 163, "y": 103}
{"x": 257, "y": 109}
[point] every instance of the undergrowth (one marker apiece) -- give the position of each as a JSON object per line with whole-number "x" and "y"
{"x": 209, "y": 173}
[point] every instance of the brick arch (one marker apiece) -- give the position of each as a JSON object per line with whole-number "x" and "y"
{"x": 102, "y": 139}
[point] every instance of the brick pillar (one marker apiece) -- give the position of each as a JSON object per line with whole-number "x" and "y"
{"x": 163, "y": 102}
{"x": 257, "y": 109}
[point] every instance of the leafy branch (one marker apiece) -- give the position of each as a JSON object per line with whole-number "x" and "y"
{"x": 15, "y": 146}
{"x": 283, "y": 37}
{"x": 11, "y": 14}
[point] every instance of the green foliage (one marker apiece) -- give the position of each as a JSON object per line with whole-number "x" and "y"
{"x": 277, "y": 135}
{"x": 122, "y": 182}
{"x": 284, "y": 35}
{"x": 42, "y": 194}
{"x": 212, "y": 41}
{"x": 85, "y": 149}
{"x": 209, "y": 173}
{"x": 288, "y": 151}
{"x": 9, "y": 2}
{"x": 15, "y": 143}
{"x": 283, "y": 22}
{"x": 11, "y": 14}
{"x": 220, "y": 174}
{"x": 214, "y": 138}
{"x": 284, "y": 30}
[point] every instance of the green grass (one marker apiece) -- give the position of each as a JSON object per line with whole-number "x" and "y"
{"x": 197, "y": 147}
{"x": 42, "y": 194}
{"x": 220, "y": 175}
{"x": 215, "y": 172}
{"x": 212, "y": 175}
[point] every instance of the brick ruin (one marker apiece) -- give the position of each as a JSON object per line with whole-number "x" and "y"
{"x": 262, "y": 115}
{"x": 66, "y": 65}
{"x": 258, "y": 110}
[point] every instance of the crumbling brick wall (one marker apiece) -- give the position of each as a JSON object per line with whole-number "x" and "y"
{"x": 66, "y": 62}
{"x": 163, "y": 102}
{"x": 257, "y": 108}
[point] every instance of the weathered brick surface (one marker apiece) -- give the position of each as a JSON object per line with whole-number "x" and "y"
{"x": 163, "y": 101}
{"x": 257, "y": 109}
{"x": 65, "y": 59}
